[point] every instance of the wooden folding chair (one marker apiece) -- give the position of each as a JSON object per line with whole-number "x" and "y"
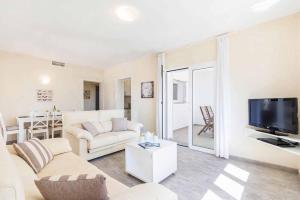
{"x": 208, "y": 118}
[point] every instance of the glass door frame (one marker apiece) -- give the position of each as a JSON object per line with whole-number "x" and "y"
{"x": 191, "y": 103}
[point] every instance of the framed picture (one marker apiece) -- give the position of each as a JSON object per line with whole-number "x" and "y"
{"x": 87, "y": 94}
{"x": 147, "y": 89}
{"x": 44, "y": 95}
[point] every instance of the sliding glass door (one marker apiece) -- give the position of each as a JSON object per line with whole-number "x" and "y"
{"x": 202, "y": 96}
{"x": 190, "y": 107}
{"x": 178, "y": 107}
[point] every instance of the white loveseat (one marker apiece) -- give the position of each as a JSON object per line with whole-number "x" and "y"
{"x": 89, "y": 147}
{"x": 17, "y": 177}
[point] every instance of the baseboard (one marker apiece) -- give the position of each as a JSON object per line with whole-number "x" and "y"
{"x": 264, "y": 164}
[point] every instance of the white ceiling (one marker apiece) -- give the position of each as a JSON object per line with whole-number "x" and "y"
{"x": 88, "y": 33}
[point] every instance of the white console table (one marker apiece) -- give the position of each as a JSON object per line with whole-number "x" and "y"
{"x": 292, "y": 138}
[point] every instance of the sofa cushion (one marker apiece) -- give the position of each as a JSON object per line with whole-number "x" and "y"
{"x": 119, "y": 124}
{"x": 104, "y": 139}
{"x": 107, "y": 115}
{"x": 125, "y": 135}
{"x": 57, "y": 145}
{"x": 69, "y": 163}
{"x": 72, "y": 187}
{"x": 107, "y": 125}
{"x": 77, "y": 117}
{"x": 34, "y": 153}
{"x": 100, "y": 128}
{"x": 23, "y": 168}
{"x": 111, "y": 138}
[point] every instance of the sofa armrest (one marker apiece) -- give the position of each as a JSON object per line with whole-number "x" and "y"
{"x": 79, "y": 133}
{"x": 57, "y": 145}
{"x": 148, "y": 191}
{"x": 134, "y": 126}
{"x": 79, "y": 146}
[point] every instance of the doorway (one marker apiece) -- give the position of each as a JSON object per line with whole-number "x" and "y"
{"x": 123, "y": 96}
{"x": 91, "y": 95}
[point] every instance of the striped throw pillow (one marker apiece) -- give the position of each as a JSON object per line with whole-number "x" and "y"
{"x": 75, "y": 187}
{"x": 34, "y": 153}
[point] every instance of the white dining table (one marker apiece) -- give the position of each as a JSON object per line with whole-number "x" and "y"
{"x": 22, "y": 120}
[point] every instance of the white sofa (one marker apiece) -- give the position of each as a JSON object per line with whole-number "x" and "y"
{"x": 17, "y": 177}
{"x": 89, "y": 147}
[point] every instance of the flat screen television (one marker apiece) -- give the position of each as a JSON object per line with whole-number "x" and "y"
{"x": 274, "y": 114}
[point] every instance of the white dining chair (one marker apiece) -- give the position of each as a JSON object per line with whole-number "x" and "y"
{"x": 7, "y": 130}
{"x": 39, "y": 122}
{"x": 56, "y": 123}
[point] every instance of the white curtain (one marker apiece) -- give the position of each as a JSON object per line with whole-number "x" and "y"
{"x": 169, "y": 99}
{"x": 222, "y": 117}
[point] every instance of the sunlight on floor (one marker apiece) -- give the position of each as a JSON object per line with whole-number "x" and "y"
{"x": 210, "y": 195}
{"x": 230, "y": 186}
{"x": 237, "y": 172}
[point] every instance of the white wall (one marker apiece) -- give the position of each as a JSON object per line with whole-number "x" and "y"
{"x": 180, "y": 110}
{"x": 192, "y": 54}
{"x": 143, "y": 69}
{"x": 203, "y": 92}
{"x": 20, "y": 78}
{"x": 264, "y": 62}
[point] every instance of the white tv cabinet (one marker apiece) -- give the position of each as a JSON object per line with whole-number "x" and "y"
{"x": 293, "y": 138}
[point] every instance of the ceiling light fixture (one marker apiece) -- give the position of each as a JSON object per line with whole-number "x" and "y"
{"x": 264, "y": 5}
{"x": 127, "y": 13}
{"x": 45, "y": 80}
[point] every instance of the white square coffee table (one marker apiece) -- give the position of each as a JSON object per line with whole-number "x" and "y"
{"x": 153, "y": 164}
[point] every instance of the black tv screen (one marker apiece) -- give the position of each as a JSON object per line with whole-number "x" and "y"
{"x": 277, "y": 114}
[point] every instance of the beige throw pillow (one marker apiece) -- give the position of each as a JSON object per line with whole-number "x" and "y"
{"x": 76, "y": 187}
{"x": 94, "y": 128}
{"x": 119, "y": 124}
{"x": 34, "y": 153}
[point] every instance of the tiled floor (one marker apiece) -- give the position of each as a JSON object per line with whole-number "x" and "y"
{"x": 202, "y": 176}
{"x": 205, "y": 140}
